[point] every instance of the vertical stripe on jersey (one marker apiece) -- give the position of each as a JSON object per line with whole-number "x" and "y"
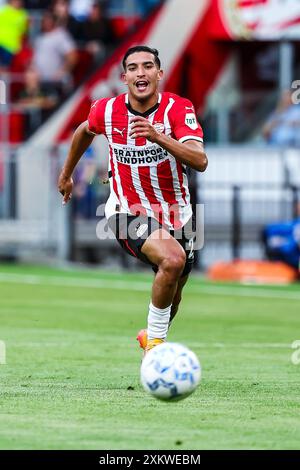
{"x": 145, "y": 176}
{"x": 165, "y": 180}
{"x": 129, "y": 191}
{"x": 166, "y": 175}
{"x": 139, "y": 141}
{"x": 158, "y": 195}
{"x": 176, "y": 166}
{"x": 179, "y": 189}
{"x": 113, "y": 186}
{"x": 107, "y": 119}
{"x": 114, "y": 164}
{"x": 119, "y": 120}
{"x": 108, "y": 111}
{"x": 138, "y": 184}
{"x": 186, "y": 187}
{"x": 153, "y": 194}
{"x": 130, "y": 140}
{"x": 119, "y": 123}
{"x": 145, "y": 184}
{"x": 180, "y": 179}
{"x": 166, "y": 117}
{"x": 131, "y": 176}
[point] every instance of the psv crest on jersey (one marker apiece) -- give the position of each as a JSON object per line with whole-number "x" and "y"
{"x": 191, "y": 121}
{"x": 159, "y": 127}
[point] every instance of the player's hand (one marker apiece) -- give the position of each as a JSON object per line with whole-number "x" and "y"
{"x": 65, "y": 187}
{"x": 141, "y": 127}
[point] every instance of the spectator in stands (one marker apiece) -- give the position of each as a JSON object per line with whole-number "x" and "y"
{"x": 61, "y": 10}
{"x": 283, "y": 126}
{"x": 36, "y": 100}
{"x": 97, "y": 32}
{"x": 34, "y": 94}
{"x": 54, "y": 54}
{"x": 13, "y": 27}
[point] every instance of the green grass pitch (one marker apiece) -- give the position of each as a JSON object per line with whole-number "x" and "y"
{"x": 71, "y": 378}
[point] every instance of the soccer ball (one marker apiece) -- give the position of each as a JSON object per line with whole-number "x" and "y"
{"x": 170, "y": 371}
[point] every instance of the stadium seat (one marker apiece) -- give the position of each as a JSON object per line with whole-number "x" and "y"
{"x": 16, "y": 127}
{"x": 83, "y": 66}
{"x": 122, "y": 25}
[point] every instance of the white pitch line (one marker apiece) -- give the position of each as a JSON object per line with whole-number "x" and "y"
{"x": 191, "y": 344}
{"x": 73, "y": 282}
{"x": 139, "y": 286}
{"x": 241, "y": 345}
{"x": 248, "y": 292}
{"x": 7, "y": 302}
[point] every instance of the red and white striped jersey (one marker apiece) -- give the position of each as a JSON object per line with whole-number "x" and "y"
{"x": 144, "y": 177}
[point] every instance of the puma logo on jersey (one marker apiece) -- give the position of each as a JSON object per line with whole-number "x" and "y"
{"x": 118, "y": 130}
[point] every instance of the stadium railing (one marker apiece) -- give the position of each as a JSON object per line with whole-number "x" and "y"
{"x": 243, "y": 189}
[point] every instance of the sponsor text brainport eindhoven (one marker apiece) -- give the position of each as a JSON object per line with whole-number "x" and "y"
{"x": 144, "y": 156}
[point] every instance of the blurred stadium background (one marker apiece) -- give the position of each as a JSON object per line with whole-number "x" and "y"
{"x": 233, "y": 59}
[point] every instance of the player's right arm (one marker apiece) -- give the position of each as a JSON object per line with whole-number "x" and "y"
{"x": 82, "y": 139}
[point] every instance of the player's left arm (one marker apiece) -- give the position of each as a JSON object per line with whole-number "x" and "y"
{"x": 190, "y": 153}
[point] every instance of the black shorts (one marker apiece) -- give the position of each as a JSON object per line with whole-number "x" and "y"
{"x": 132, "y": 231}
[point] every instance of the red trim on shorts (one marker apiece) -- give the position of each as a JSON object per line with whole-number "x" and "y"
{"x": 128, "y": 247}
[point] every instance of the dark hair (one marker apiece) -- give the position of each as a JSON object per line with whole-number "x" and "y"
{"x": 134, "y": 49}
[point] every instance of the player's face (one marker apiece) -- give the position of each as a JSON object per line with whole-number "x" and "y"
{"x": 142, "y": 75}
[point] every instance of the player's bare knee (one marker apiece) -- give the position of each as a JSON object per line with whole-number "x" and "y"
{"x": 173, "y": 264}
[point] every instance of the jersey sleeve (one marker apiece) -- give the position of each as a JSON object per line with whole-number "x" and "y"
{"x": 184, "y": 122}
{"x": 96, "y": 121}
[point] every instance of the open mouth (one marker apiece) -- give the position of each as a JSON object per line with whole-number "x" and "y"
{"x": 141, "y": 85}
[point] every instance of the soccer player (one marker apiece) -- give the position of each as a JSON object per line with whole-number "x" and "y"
{"x": 152, "y": 138}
